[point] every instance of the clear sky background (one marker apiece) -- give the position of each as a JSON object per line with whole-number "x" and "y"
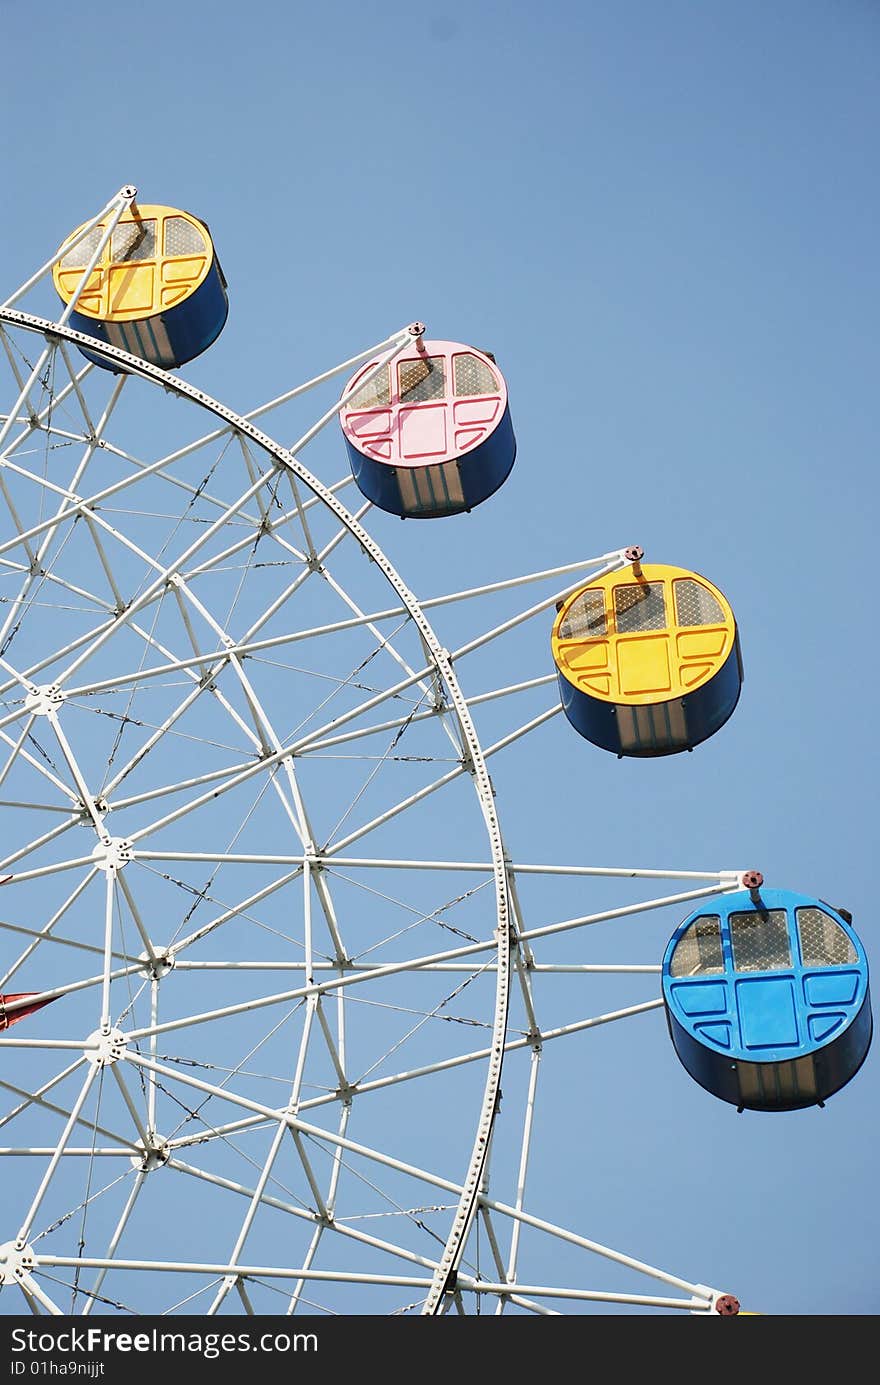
{"x": 662, "y": 219}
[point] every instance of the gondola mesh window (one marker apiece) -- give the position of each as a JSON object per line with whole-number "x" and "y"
{"x": 760, "y": 940}
{"x": 698, "y": 952}
{"x": 182, "y": 238}
{"x": 133, "y": 240}
{"x": 81, "y": 254}
{"x": 375, "y": 394}
{"x": 822, "y": 940}
{"x": 472, "y": 376}
{"x": 695, "y": 604}
{"x": 421, "y": 380}
{"x": 639, "y": 606}
{"x": 585, "y": 618}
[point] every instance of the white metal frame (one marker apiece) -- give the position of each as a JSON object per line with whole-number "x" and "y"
{"x": 41, "y": 695}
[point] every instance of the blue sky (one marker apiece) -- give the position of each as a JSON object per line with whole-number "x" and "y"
{"x": 662, "y": 220}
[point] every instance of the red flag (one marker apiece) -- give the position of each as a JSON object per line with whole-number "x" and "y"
{"x": 8, "y": 1017}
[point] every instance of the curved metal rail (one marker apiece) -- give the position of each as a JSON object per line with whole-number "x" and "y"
{"x": 444, "y": 1276}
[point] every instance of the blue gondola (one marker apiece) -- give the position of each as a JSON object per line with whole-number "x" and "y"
{"x": 767, "y": 998}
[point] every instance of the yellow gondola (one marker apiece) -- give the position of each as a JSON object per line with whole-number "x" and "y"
{"x": 648, "y": 660}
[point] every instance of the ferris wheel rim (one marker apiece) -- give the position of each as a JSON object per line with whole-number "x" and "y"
{"x": 52, "y": 333}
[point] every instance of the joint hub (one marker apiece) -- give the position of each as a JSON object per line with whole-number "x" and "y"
{"x": 112, "y": 854}
{"x": 105, "y": 1049}
{"x": 98, "y": 806}
{"x": 16, "y": 1261}
{"x": 44, "y": 700}
{"x": 159, "y": 964}
{"x": 152, "y": 1156}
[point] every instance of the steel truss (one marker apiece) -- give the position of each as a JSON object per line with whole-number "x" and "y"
{"x": 239, "y": 1058}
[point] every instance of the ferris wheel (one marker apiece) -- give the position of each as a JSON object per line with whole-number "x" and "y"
{"x": 278, "y": 1001}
